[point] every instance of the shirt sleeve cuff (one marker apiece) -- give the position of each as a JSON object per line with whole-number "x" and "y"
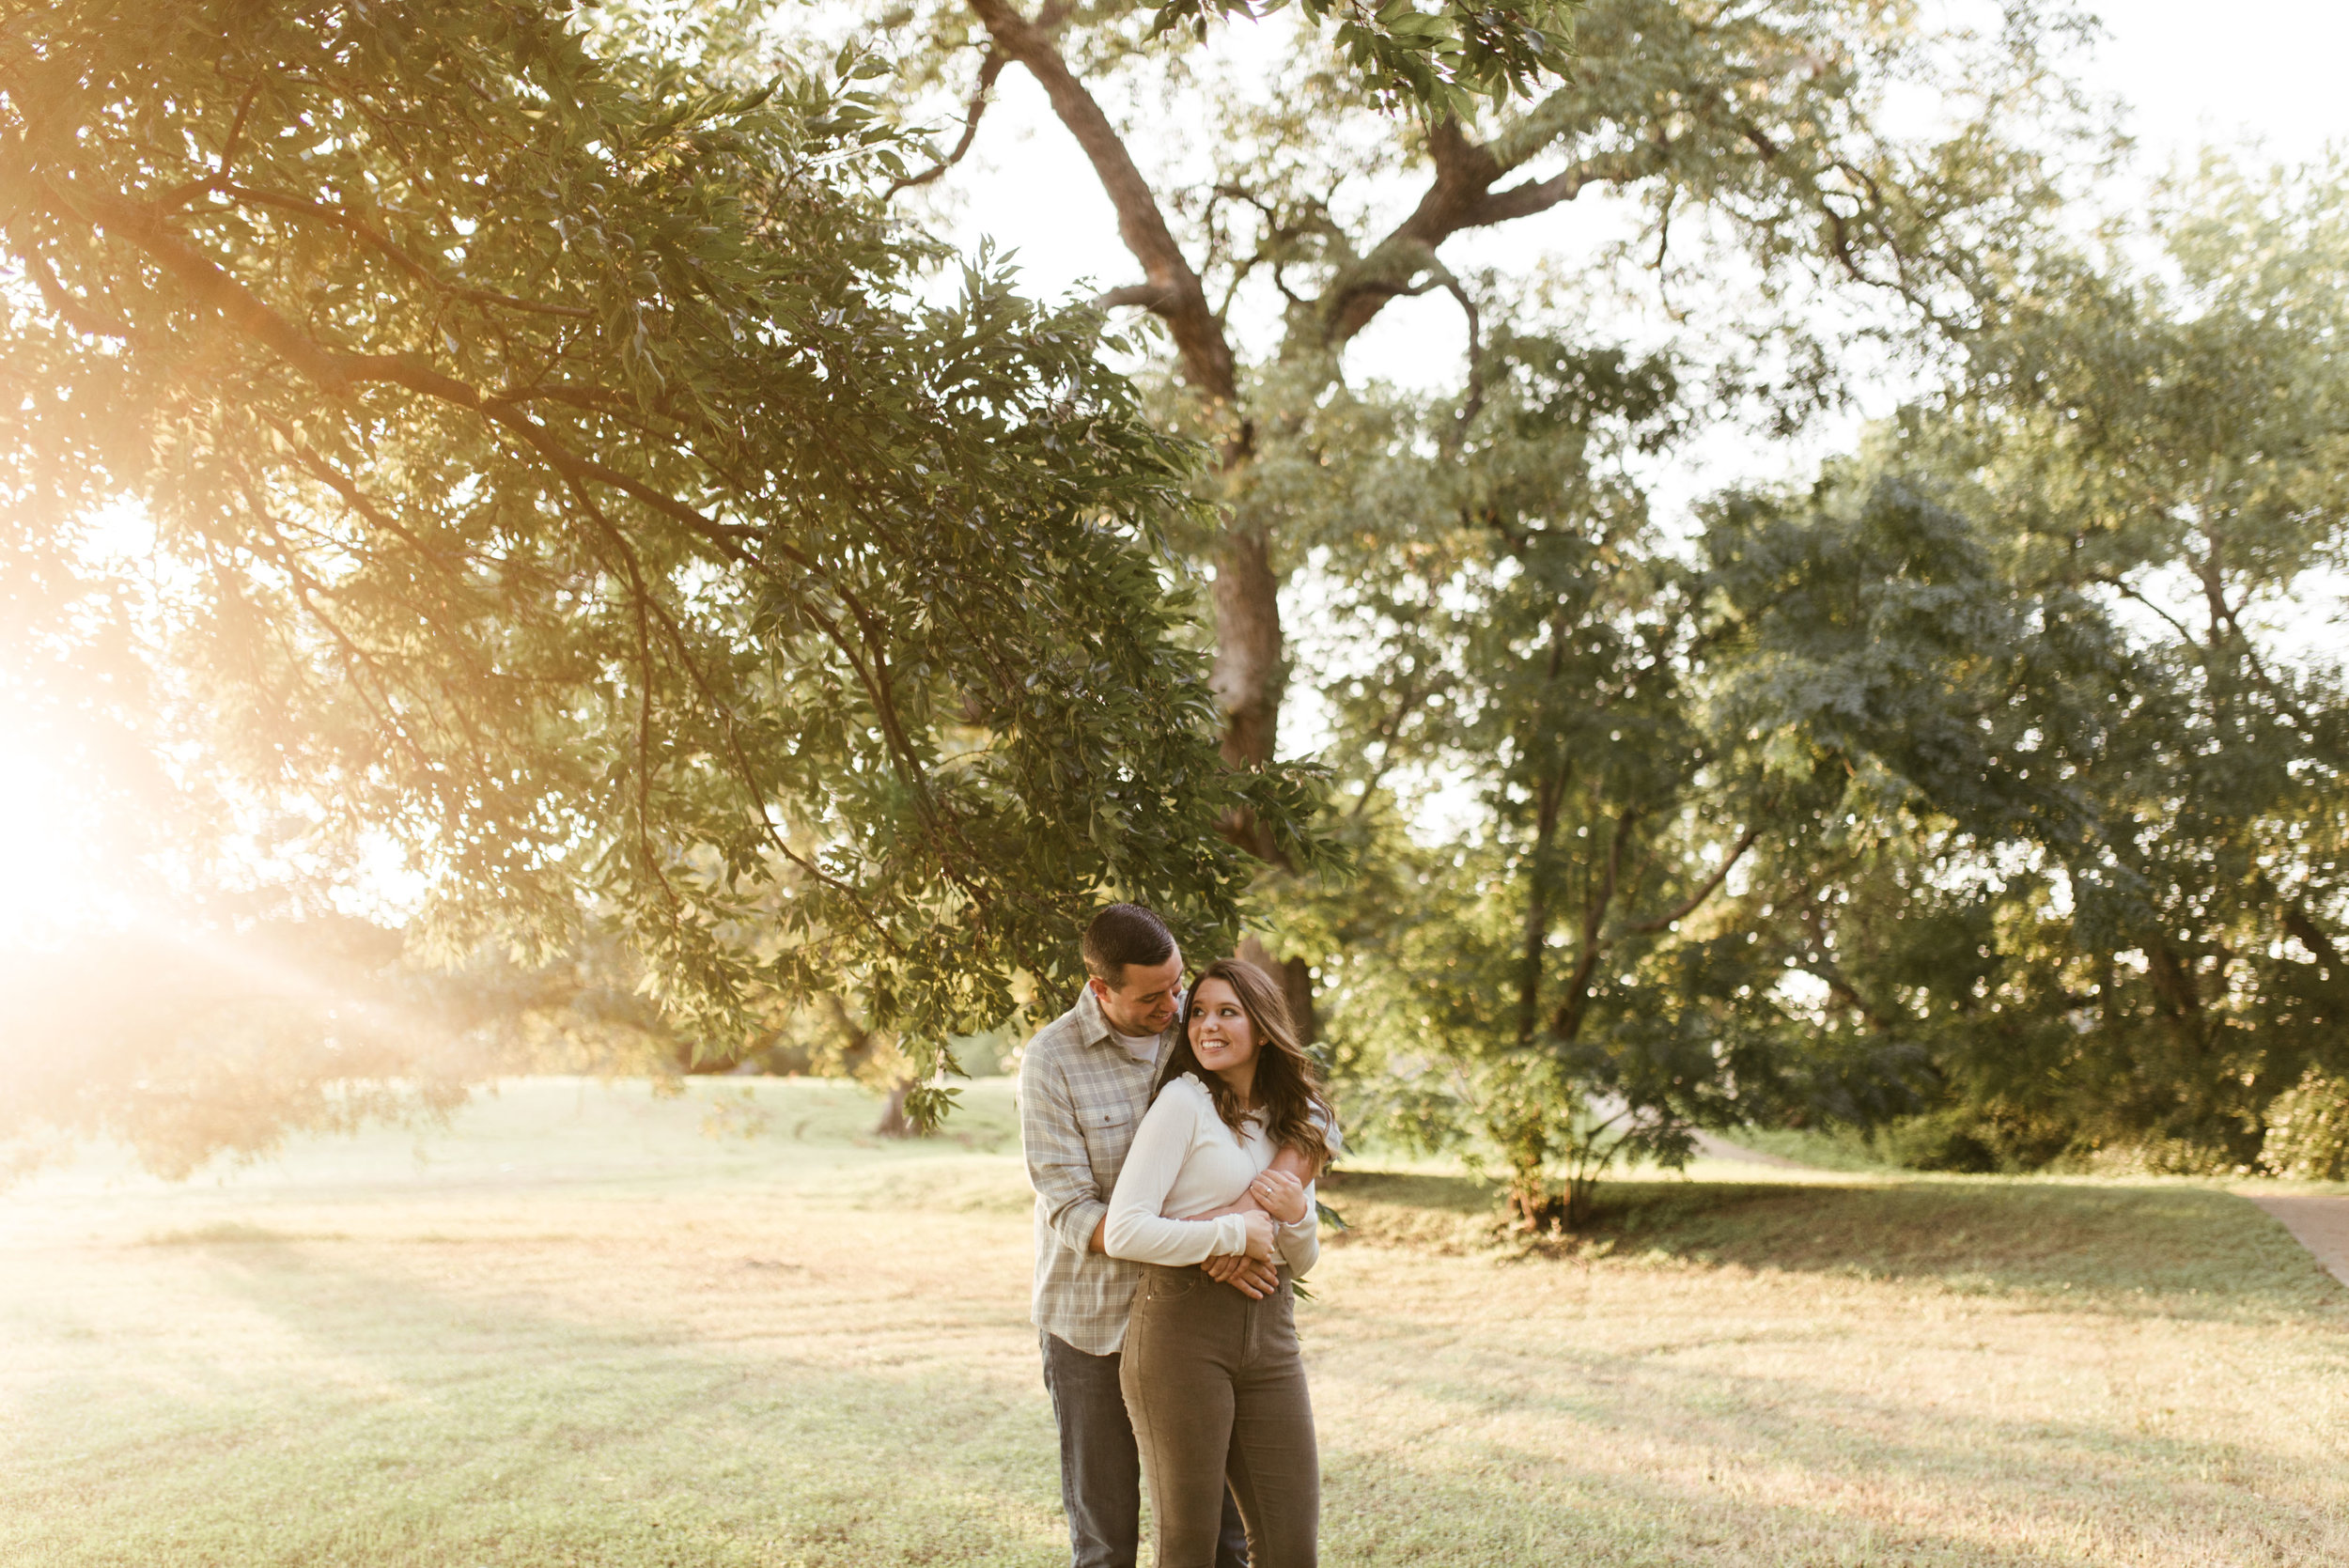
{"x": 1310, "y": 1225}
{"x": 1231, "y": 1236}
{"x": 1079, "y": 1220}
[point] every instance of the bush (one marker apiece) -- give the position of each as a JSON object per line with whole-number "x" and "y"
{"x": 1952, "y": 1141}
{"x": 2308, "y": 1129}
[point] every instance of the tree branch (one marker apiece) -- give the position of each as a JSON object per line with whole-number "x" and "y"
{"x": 1567, "y": 1021}
{"x": 236, "y": 128}
{"x": 1460, "y": 197}
{"x": 1664, "y": 921}
{"x": 989, "y": 69}
{"x": 1472, "y": 404}
{"x": 338, "y": 216}
{"x": 1149, "y": 296}
{"x": 1181, "y": 301}
{"x": 81, "y": 318}
{"x": 337, "y": 373}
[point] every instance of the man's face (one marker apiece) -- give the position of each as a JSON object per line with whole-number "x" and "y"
{"x": 1142, "y": 1001}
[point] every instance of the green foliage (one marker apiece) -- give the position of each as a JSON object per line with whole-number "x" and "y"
{"x": 550, "y": 466}
{"x": 1912, "y": 802}
{"x": 1518, "y": 625}
{"x": 2095, "y": 859}
{"x": 1907, "y": 803}
{"x": 1559, "y": 967}
{"x": 2308, "y": 1129}
{"x": 1438, "y": 62}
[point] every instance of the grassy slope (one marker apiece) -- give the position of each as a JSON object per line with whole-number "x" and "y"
{"x": 579, "y": 1333}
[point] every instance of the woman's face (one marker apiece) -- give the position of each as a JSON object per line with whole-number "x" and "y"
{"x": 1221, "y": 1035}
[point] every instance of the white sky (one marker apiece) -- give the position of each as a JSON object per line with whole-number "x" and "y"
{"x": 2269, "y": 69}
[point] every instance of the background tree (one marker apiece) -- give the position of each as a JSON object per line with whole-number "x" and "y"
{"x": 2145, "y": 463}
{"x": 1572, "y": 974}
{"x": 1503, "y": 615}
{"x": 1753, "y": 135}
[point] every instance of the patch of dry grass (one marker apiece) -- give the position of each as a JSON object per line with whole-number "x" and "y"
{"x": 574, "y": 1331}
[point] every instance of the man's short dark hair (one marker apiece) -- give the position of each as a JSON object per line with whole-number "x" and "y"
{"x": 1125, "y": 934}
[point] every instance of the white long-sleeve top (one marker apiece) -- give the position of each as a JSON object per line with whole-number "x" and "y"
{"x": 1185, "y": 1161}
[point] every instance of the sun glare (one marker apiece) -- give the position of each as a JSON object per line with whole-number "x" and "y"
{"x": 64, "y": 861}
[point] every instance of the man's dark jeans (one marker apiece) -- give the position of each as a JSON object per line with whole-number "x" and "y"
{"x": 1100, "y": 1470}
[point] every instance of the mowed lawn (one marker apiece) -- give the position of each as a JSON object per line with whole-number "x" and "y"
{"x": 576, "y": 1329}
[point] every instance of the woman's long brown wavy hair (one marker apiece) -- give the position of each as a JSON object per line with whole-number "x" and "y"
{"x": 1288, "y": 1084}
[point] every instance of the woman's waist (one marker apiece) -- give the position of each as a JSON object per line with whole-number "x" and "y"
{"x": 1189, "y": 1287}
{"x": 1186, "y": 1271}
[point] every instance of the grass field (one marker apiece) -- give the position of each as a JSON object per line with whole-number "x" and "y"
{"x": 574, "y": 1329}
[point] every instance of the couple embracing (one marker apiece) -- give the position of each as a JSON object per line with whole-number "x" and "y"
{"x": 1174, "y": 1141}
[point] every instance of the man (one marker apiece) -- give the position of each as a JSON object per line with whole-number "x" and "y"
{"x": 1085, "y": 1082}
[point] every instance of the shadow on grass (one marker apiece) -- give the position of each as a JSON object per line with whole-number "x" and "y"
{"x": 2171, "y": 1248}
{"x": 403, "y": 1415}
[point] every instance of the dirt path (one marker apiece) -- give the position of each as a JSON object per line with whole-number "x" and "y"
{"x": 2318, "y": 1223}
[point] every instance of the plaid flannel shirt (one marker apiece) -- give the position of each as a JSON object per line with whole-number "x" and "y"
{"x": 1081, "y": 1100}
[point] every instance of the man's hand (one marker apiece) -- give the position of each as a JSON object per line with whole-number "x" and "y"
{"x": 1279, "y": 1194}
{"x": 1254, "y": 1278}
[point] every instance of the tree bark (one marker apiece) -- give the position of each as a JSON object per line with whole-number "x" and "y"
{"x": 1295, "y": 978}
{"x": 893, "y": 1121}
{"x": 1536, "y": 936}
{"x": 1247, "y": 677}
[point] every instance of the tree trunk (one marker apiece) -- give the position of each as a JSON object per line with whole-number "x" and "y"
{"x": 1295, "y": 979}
{"x": 893, "y": 1118}
{"x": 1247, "y": 677}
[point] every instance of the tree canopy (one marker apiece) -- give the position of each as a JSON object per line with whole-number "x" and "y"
{"x": 1980, "y": 793}
{"x": 549, "y": 463}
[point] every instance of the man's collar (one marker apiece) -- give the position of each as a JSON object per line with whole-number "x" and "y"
{"x": 1095, "y": 1023}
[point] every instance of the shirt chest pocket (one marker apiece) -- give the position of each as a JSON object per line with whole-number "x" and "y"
{"x": 1109, "y": 1131}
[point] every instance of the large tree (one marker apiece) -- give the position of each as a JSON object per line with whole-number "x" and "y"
{"x": 550, "y": 466}
{"x": 1752, "y": 136}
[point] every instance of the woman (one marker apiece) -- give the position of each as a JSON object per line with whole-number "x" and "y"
{"x": 1211, "y": 1376}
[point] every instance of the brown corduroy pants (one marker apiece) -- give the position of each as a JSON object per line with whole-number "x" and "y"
{"x": 1217, "y": 1392}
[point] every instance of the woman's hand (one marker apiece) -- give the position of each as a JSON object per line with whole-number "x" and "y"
{"x": 1279, "y": 1194}
{"x": 1259, "y": 1234}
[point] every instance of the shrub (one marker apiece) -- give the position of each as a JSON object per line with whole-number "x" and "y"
{"x": 2308, "y": 1129}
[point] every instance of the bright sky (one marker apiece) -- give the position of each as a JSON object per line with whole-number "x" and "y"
{"x": 2196, "y": 72}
